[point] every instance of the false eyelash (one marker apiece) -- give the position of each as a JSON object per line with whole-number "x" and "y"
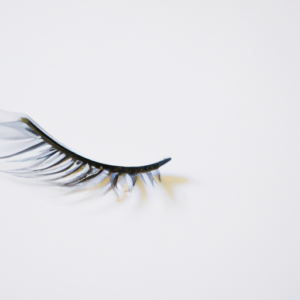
{"x": 46, "y": 159}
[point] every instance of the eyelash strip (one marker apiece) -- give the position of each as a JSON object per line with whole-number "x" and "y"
{"x": 47, "y": 159}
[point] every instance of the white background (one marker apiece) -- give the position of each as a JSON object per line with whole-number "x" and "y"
{"x": 214, "y": 85}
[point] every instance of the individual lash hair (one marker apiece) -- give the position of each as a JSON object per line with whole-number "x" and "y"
{"x": 28, "y": 151}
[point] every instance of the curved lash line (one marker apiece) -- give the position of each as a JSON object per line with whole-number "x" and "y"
{"x": 111, "y": 168}
{"x": 65, "y": 165}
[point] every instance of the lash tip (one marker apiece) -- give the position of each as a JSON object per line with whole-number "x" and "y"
{"x": 164, "y": 161}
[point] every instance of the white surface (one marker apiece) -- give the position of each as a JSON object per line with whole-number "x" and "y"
{"x": 214, "y": 85}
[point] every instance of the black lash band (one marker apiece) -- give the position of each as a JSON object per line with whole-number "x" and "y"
{"x": 68, "y": 168}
